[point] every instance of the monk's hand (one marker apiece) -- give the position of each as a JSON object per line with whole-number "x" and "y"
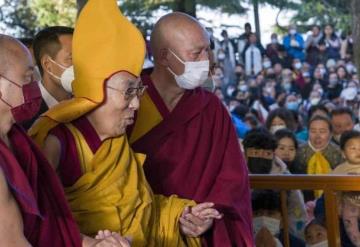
{"x": 107, "y": 238}
{"x": 197, "y": 220}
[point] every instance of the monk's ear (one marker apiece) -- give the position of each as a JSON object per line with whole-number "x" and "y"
{"x": 163, "y": 57}
{"x": 45, "y": 63}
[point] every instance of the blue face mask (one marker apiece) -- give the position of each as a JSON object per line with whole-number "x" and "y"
{"x": 293, "y": 106}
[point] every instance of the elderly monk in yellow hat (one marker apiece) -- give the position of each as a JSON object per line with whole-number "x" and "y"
{"x": 84, "y": 138}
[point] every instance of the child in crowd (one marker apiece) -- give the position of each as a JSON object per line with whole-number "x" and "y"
{"x": 349, "y": 202}
{"x": 316, "y": 234}
{"x": 267, "y": 220}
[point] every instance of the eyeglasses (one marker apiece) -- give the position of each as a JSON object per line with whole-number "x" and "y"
{"x": 131, "y": 92}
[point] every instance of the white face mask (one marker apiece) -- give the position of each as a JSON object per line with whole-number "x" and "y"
{"x": 195, "y": 73}
{"x": 275, "y": 128}
{"x": 267, "y": 64}
{"x": 221, "y": 56}
{"x": 314, "y": 101}
{"x": 273, "y": 225}
{"x": 66, "y": 77}
{"x": 321, "y": 244}
{"x": 292, "y": 31}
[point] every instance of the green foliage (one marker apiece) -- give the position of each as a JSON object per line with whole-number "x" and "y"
{"x": 17, "y": 15}
{"x": 26, "y": 17}
{"x": 335, "y": 12}
{"x": 54, "y": 12}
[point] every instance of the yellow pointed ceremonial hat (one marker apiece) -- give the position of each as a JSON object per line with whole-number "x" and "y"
{"x": 105, "y": 42}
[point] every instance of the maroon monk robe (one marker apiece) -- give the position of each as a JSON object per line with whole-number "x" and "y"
{"x": 194, "y": 153}
{"x": 69, "y": 164}
{"x": 35, "y": 186}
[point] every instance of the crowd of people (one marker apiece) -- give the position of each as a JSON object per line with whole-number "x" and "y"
{"x": 295, "y": 107}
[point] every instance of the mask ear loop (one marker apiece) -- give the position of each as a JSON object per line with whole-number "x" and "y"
{"x": 178, "y": 58}
{"x": 12, "y": 82}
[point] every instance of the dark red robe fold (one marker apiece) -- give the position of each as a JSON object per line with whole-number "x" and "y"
{"x": 194, "y": 153}
{"x": 35, "y": 186}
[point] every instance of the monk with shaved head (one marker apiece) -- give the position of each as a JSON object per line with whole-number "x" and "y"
{"x": 33, "y": 208}
{"x": 187, "y": 134}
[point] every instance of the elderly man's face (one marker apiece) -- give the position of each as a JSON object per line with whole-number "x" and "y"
{"x": 121, "y": 103}
{"x": 21, "y": 72}
{"x": 193, "y": 44}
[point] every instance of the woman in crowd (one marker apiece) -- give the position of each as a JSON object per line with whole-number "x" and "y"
{"x": 318, "y": 155}
{"x": 280, "y": 118}
{"x": 286, "y": 148}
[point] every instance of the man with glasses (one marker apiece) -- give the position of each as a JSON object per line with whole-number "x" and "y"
{"x": 187, "y": 134}
{"x": 85, "y": 140}
{"x": 33, "y": 207}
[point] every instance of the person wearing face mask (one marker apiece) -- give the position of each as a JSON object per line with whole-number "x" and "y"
{"x": 316, "y": 234}
{"x": 34, "y": 210}
{"x": 267, "y": 220}
{"x": 179, "y": 125}
{"x": 280, "y": 118}
{"x": 260, "y": 145}
{"x": 52, "y": 52}
{"x": 334, "y": 88}
{"x": 273, "y": 49}
{"x": 252, "y": 56}
{"x": 53, "y": 55}
{"x": 294, "y": 44}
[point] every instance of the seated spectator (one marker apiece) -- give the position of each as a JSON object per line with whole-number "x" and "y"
{"x": 267, "y": 220}
{"x": 334, "y": 87}
{"x": 342, "y": 119}
{"x": 286, "y": 148}
{"x": 259, "y": 148}
{"x": 288, "y": 84}
{"x": 314, "y": 110}
{"x": 316, "y": 234}
{"x": 272, "y": 49}
{"x": 318, "y": 155}
{"x": 237, "y": 116}
{"x": 280, "y": 118}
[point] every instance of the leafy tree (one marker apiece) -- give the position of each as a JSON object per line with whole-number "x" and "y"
{"x": 17, "y": 16}
{"x": 54, "y": 12}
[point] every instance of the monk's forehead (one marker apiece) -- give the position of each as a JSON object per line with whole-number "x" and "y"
{"x": 182, "y": 29}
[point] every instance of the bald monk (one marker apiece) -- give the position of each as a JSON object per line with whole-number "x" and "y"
{"x": 33, "y": 208}
{"x": 84, "y": 139}
{"x": 187, "y": 134}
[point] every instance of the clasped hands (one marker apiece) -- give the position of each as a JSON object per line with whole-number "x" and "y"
{"x": 194, "y": 221}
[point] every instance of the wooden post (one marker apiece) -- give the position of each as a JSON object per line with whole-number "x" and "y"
{"x": 285, "y": 220}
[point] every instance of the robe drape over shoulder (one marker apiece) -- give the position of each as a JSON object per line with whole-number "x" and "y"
{"x": 193, "y": 152}
{"x": 109, "y": 190}
{"x": 47, "y": 219}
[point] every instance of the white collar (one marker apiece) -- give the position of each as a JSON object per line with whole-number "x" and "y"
{"x": 48, "y": 98}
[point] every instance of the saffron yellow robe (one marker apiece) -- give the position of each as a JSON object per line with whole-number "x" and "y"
{"x": 113, "y": 194}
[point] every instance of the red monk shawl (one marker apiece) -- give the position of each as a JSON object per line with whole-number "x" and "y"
{"x": 34, "y": 184}
{"x": 194, "y": 153}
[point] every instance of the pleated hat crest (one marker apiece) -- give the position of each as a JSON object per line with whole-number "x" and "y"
{"x": 104, "y": 42}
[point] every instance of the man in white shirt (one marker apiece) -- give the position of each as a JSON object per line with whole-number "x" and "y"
{"x": 53, "y": 55}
